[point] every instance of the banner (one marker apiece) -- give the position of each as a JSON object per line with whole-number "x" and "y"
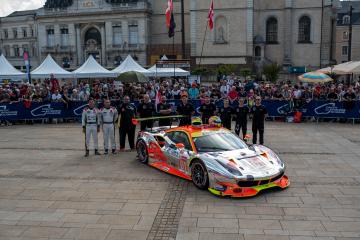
{"x": 318, "y": 109}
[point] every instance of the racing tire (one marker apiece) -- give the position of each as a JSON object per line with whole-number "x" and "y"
{"x": 142, "y": 152}
{"x": 199, "y": 175}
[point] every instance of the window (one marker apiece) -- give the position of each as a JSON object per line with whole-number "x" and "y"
{"x": 271, "y": 30}
{"x": 16, "y": 51}
{"x": 15, "y": 33}
{"x": 6, "y": 34}
{"x": 345, "y": 50}
{"x": 32, "y": 32}
{"x": 345, "y": 35}
{"x": 117, "y": 35}
{"x": 7, "y": 50}
{"x": 220, "y": 30}
{"x": 180, "y": 137}
{"x": 257, "y": 51}
{"x": 304, "y": 29}
{"x": 346, "y": 20}
{"x": 64, "y": 37}
{"x": 133, "y": 35}
{"x": 24, "y": 32}
{"x": 50, "y": 37}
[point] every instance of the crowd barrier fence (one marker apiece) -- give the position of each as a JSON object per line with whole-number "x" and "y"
{"x": 317, "y": 109}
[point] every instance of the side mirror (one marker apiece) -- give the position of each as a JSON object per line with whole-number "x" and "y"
{"x": 180, "y": 145}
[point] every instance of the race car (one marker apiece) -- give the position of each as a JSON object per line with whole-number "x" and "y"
{"x": 212, "y": 158}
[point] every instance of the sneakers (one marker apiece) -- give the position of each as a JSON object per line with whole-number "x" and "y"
{"x": 97, "y": 153}
{"x": 113, "y": 151}
{"x": 86, "y": 153}
{"x": 106, "y": 152}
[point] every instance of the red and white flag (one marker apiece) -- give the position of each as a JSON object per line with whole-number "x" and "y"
{"x": 211, "y": 16}
{"x": 168, "y": 13}
{"x": 157, "y": 99}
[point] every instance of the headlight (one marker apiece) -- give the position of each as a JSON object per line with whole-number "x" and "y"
{"x": 231, "y": 169}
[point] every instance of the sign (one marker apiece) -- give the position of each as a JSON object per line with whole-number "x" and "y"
{"x": 297, "y": 69}
{"x": 173, "y": 63}
{"x": 88, "y": 4}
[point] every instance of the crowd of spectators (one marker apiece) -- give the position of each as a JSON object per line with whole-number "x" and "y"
{"x": 52, "y": 91}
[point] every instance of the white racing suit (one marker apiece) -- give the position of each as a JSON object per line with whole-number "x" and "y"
{"x": 108, "y": 117}
{"x": 91, "y": 122}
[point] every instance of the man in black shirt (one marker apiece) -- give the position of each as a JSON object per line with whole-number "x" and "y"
{"x": 241, "y": 113}
{"x": 332, "y": 96}
{"x": 164, "y": 110}
{"x": 207, "y": 110}
{"x": 127, "y": 111}
{"x": 259, "y": 113}
{"x": 349, "y": 99}
{"x": 186, "y": 109}
{"x": 225, "y": 114}
{"x": 146, "y": 110}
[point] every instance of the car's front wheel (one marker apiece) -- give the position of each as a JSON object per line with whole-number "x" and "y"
{"x": 199, "y": 175}
{"x": 142, "y": 152}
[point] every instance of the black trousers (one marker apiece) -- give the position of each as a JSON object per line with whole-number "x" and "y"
{"x": 255, "y": 130}
{"x": 241, "y": 125}
{"x": 226, "y": 124}
{"x": 205, "y": 119}
{"x": 185, "y": 121}
{"x": 128, "y": 130}
{"x": 146, "y": 124}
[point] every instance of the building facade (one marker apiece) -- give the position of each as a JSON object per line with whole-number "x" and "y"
{"x": 343, "y": 32}
{"x": 291, "y": 33}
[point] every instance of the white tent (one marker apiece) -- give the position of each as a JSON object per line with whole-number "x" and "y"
{"x": 349, "y": 67}
{"x": 92, "y": 69}
{"x": 7, "y": 71}
{"x": 130, "y": 65}
{"x": 168, "y": 72}
{"x": 48, "y": 67}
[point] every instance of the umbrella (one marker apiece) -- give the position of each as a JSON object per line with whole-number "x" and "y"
{"x": 130, "y": 77}
{"x": 315, "y": 77}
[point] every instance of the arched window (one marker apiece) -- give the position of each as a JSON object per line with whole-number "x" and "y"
{"x": 305, "y": 30}
{"x": 220, "y": 30}
{"x": 271, "y": 30}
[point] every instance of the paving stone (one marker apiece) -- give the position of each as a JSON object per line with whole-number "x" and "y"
{"x": 224, "y": 236}
{"x": 302, "y": 225}
{"x": 217, "y": 222}
{"x": 45, "y": 232}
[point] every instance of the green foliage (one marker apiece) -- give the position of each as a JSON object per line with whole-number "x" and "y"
{"x": 226, "y": 69}
{"x": 245, "y": 72}
{"x": 271, "y": 72}
{"x": 201, "y": 71}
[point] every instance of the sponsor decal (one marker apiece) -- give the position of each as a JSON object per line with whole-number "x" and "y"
{"x": 284, "y": 109}
{"x": 45, "y": 110}
{"x": 78, "y": 111}
{"x": 329, "y": 108}
{"x": 4, "y": 112}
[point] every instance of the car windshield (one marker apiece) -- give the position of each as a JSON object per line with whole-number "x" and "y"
{"x": 218, "y": 142}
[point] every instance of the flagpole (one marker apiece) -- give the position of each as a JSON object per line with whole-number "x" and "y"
{"x": 203, "y": 43}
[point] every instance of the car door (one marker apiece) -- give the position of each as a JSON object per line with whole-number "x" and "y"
{"x": 178, "y": 156}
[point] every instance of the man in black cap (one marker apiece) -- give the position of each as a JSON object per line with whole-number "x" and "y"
{"x": 127, "y": 112}
{"x": 241, "y": 114}
{"x": 164, "y": 110}
{"x": 186, "y": 109}
{"x": 259, "y": 113}
{"x": 146, "y": 109}
{"x": 207, "y": 110}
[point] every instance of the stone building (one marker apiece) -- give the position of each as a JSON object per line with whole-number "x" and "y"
{"x": 342, "y": 32}
{"x": 292, "y": 33}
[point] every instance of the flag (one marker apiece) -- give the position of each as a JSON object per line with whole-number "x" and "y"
{"x": 170, "y": 20}
{"x": 211, "y": 16}
{"x": 157, "y": 99}
{"x": 27, "y": 64}
{"x": 168, "y": 13}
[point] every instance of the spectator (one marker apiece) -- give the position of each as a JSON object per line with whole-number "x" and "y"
{"x": 332, "y": 96}
{"x": 194, "y": 91}
{"x": 56, "y": 97}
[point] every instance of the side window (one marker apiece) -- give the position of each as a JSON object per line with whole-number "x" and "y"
{"x": 180, "y": 137}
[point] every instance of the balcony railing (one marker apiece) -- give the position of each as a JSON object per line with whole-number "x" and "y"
{"x": 58, "y": 49}
{"x": 126, "y": 47}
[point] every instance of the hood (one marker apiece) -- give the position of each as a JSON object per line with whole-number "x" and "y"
{"x": 247, "y": 163}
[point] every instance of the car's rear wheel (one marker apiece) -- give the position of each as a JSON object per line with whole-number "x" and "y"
{"x": 199, "y": 175}
{"x": 143, "y": 155}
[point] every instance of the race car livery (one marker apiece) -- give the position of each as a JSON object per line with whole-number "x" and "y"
{"x": 212, "y": 158}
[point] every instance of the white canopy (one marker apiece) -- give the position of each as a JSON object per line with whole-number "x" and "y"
{"x": 7, "y": 71}
{"x": 49, "y": 67}
{"x": 92, "y": 69}
{"x": 168, "y": 72}
{"x": 130, "y": 65}
{"x": 349, "y": 67}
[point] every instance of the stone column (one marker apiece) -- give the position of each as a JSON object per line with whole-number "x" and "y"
{"x": 289, "y": 29}
{"x": 103, "y": 46}
{"x": 78, "y": 46}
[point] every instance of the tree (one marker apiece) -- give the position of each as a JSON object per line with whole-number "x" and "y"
{"x": 226, "y": 69}
{"x": 201, "y": 71}
{"x": 245, "y": 72}
{"x": 271, "y": 72}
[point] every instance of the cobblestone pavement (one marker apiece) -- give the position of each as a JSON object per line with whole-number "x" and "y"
{"x": 49, "y": 191}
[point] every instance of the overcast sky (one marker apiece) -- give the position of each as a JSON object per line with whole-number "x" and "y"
{"x": 9, "y": 6}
